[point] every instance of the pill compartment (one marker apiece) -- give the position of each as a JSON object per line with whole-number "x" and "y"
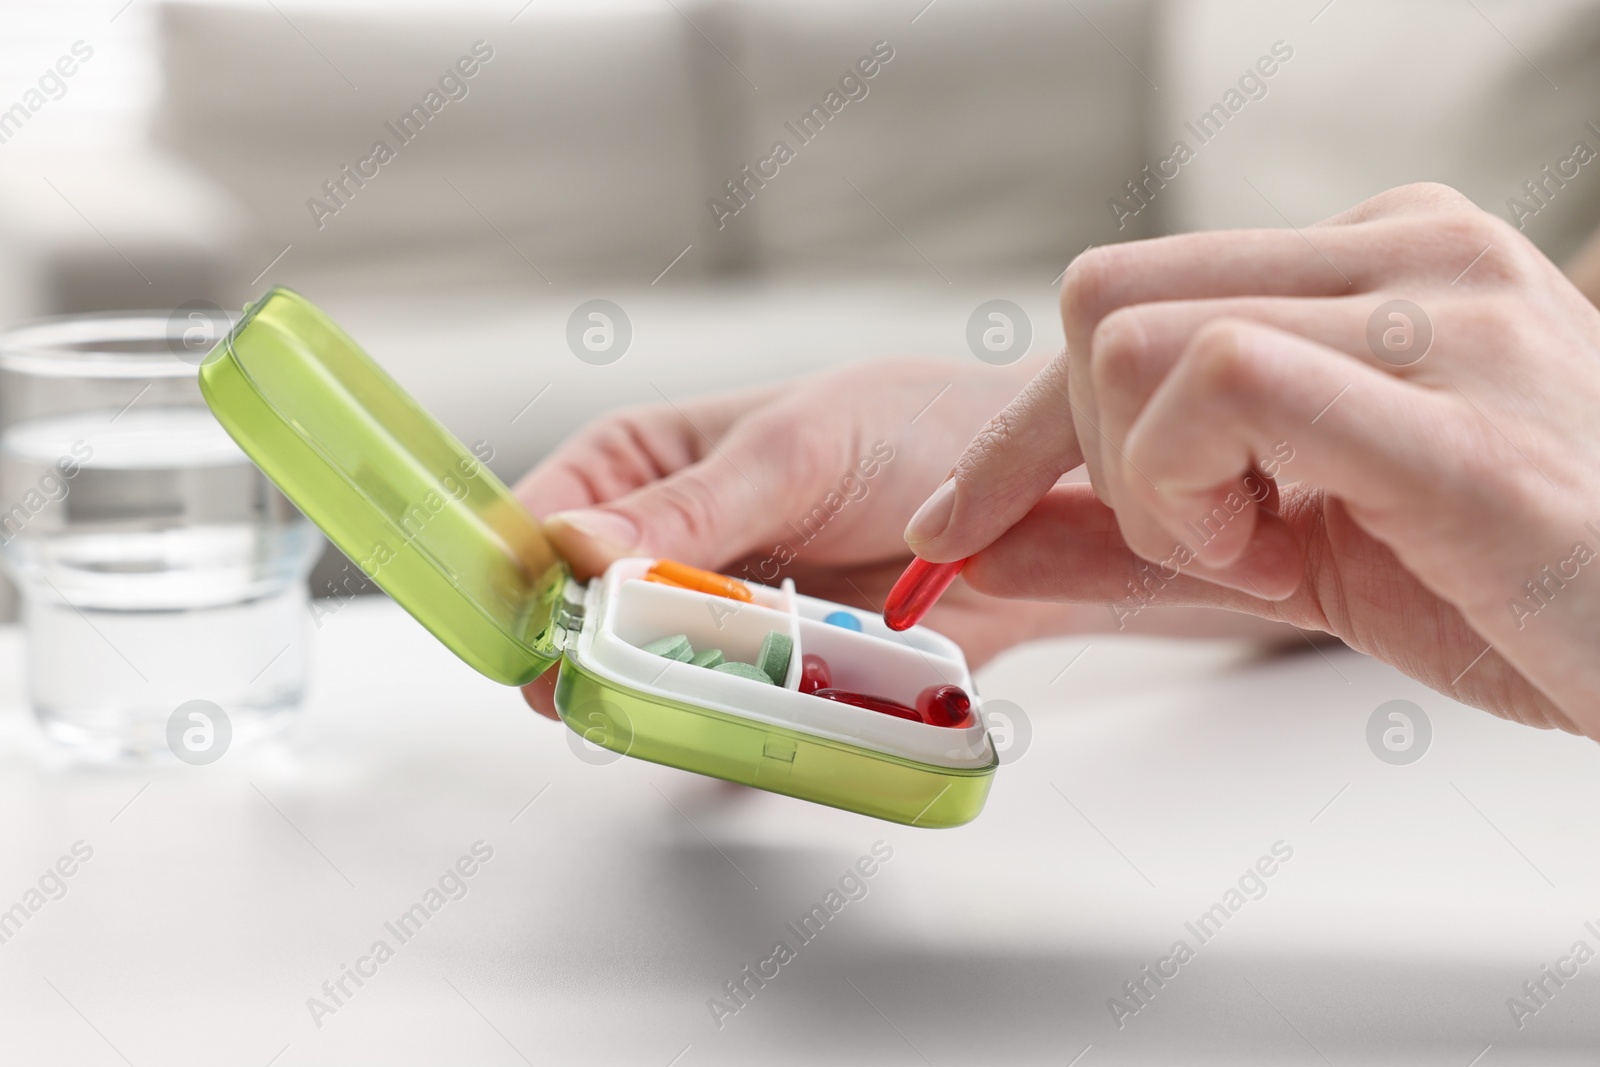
{"x": 872, "y": 625}
{"x": 447, "y": 540}
{"x": 863, "y": 663}
{"x": 775, "y": 737}
{"x": 641, "y": 612}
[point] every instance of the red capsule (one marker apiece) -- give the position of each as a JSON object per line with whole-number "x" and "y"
{"x": 871, "y": 703}
{"x": 814, "y": 673}
{"x": 917, "y": 590}
{"x": 945, "y": 705}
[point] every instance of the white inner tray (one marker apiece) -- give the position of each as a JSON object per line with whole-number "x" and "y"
{"x": 623, "y": 612}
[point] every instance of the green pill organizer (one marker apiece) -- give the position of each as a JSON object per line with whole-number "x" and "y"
{"x": 428, "y": 522}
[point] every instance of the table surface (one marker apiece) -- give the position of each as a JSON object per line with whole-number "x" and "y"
{"x": 620, "y": 899}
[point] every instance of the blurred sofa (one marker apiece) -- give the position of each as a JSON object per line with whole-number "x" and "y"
{"x": 584, "y": 154}
{"x": 587, "y": 152}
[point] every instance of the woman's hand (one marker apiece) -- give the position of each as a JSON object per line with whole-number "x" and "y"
{"x": 814, "y": 477}
{"x": 1444, "y": 514}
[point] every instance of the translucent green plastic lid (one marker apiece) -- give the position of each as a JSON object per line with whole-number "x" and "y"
{"x": 407, "y": 502}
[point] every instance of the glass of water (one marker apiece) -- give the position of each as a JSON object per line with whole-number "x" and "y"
{"x": 155, "y": 563}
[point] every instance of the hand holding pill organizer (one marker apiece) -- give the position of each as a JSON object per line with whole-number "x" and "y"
{"x": 658, "y": 660}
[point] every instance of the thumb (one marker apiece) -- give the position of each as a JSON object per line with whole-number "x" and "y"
{"x": 705, "y": 514}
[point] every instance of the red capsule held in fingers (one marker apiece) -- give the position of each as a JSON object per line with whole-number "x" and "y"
{"x": 945, "y": 705}
{"x": 871, "y": 703}
{"x": 814, "y": 673}
{"x": 917, "y": 590}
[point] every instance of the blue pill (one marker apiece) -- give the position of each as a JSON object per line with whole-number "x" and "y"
{"x": 844, "y": 619}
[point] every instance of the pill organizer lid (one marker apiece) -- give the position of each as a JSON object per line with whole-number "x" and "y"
{"x": 408, "y": 503}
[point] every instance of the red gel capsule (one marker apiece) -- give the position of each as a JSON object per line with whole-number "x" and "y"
{"x": 945, "y": 705}
{"x": 917, "y": 590}
{"x": 814, "y": 673}
{"x": 871, "y": 703}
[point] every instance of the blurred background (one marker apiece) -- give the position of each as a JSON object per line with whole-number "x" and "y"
{"x": 540, "y": 154}
{"x": 186, "y": 158}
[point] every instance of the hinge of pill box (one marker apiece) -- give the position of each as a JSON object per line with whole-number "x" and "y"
{"x": 569, "y": 616}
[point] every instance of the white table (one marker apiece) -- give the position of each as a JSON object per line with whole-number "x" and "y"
{"x": 219, "y": 899}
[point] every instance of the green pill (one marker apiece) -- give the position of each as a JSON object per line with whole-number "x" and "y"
{"x": 675, "y": 647}
{"x": 776, "y": 648}
{"x": 711, "y": 657}
{"x": 744, "y": 670}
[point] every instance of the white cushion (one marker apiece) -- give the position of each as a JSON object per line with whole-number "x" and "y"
{"x": 129, "y": 228}
{"x": 988, "y": 142}
{"x": 1378, "y": 95}
{"x": 568, "y": 152}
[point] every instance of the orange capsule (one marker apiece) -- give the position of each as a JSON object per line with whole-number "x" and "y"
{"x": 701, "y": 581}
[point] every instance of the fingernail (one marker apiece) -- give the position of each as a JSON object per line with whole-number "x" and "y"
{"x": 608, "y": 528}
{"x": 933, "y": 516}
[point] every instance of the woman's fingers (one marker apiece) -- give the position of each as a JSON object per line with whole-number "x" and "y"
{"x": 614, "y": 455}
{"x": 1013, "y": 462}
{"x": 1242, "y": 391}
{"x": 1135, "y": 348}
{"x": 1022, "y": 452}
{"x": 1390, "y": 240}
{"x": 1069, "y": 548}
{"x": 1243, "y": 403}
{"x": 1417, "y": 237}
{"x": 710, "y": 512}
{"x": 1195, "y": 266}
{"x": 1049, "y": 428}
{"x": 624, "y": 450}
{"x": 702, "y": 487}
{"x": 541, "y": 694}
